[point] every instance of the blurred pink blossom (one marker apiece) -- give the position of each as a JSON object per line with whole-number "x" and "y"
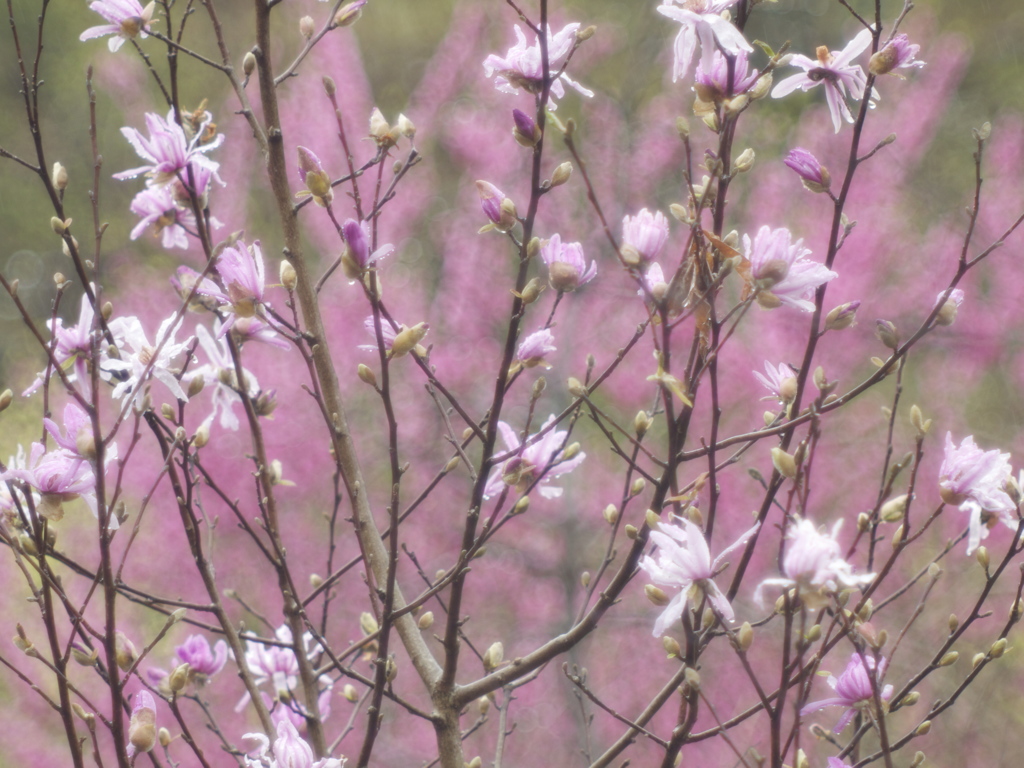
{"x": 975, "y": 480}
{"x": 537, "y": 455}
{"x": 522, "y": 67}
{"x": 782, "y": 269}
{"x": 702, "y": 20}
{"x": 898, "y": 53}
{"x": 128, "y": 20}
{"x": 853, "y": 688}
{"x": 167, "y": 150}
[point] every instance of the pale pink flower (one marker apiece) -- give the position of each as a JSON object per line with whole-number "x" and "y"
{"x": 714, "y": 83}
{"x": 539, "y": 460}
{"x": 202, "y": 659}
{"x": 645, "y": 234}
{"x": 835, "y": 762}
{"x": 522, "y": 67}
{"x": 814, "y": 564}
{"x": 141, "y": 360}
{"x": 241, "y": 273}
{"x": 128, "y": 19}
{"x": 567, "y": 267}
{"x": 535, "y": 348}
{"x": 71, "y": 344}
{"x": 777, "y": 379}
{"x": 654, "y": 286}
{"x": 781, "y": 269}
{"x": 221, "y": 378}
{"x": 702, "y": 20}
{"x": 836, "y": 71}
{"x": 812, "y": 173}
{"x": 58, "y": 476}
{"x": 276, "y": 664}
{"x": 853, "y": 689}
{"x": 386, "y": 331}
{"x": 490, "y": 200}
{"x": 684, "y": 561}
{"x": 898, "y": 53}
{"x": 975, "y": 480}
{"x": 290, "y": 750}
{"x": 157, "y": 208}
{"x": 168, "y": 151}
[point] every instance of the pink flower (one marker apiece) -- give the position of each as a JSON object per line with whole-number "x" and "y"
{"x": 780, "y": 270}
{"x": 168, "y": 151}
{"x": 853, "y": 689}
{"x": 835, "y": 762}
{"x": 157, "y": 208}
{"x": 142, "y": 728}
{"x": 813, "y": 564}
{"x": 812, "y": 173}
{"x": 684, "y": 560}
{"x": 290, "y": 750}
{"x": 975, "y": 480}
{"x": 241, "y": 272}
{"x": 539, "y": 460}
{"x": 644, "y": 235}
{"x": 535, "y": 348}
{"x": 128, "y": 20}
{"x": 654, "y": 286}
{"x": 491, "y": 199}
{"x": 58, "y": 476}
{"x": 202, "y": 659}
{"x": 714, "y": 83}
{"x": 72, "y": 343}
{"x": 702, "y": 20}
{"x": 835, "y": 71}
{"x": 567, "y": 267}
{"x": 898, "y": 53}
{"x": 140, "y": 360}
{"x": 522, "y": 66}
{"x": 781, "y": 381}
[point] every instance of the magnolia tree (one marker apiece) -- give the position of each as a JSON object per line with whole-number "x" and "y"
{"x": 487, "y": 435}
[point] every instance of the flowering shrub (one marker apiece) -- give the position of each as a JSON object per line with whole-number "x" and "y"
{"x": 290, "y": 442}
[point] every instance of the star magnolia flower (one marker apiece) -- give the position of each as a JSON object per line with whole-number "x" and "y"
{"x": 780, "y": 270}
{"x": 525, "y": 460}
{"x": 71, "y": 344}
{"x": 290, "y": 750}
{"x": 813, "y": 564}
{"x": 654, "y": 286}
{"x": 156, "y": 207}
{"x": 522, "y": 67}
{"x": 714, "y": 84}
{"x": 812, "y": 173}
{"x": 275, "y": 664}
{"x": 567, "y": 267}
{"x": 168, "y": 151}
{"x": 221, "y": 379}
{"x": 702, "y": 20}
{"x": 643, "y": 236}
{"x": 975, "y": 480}
{"x": 836, "y": 72}
{"x": 535, "y": 348}
{"x": 781, "y": 381}
{"x": 140, "y": 360}
{"x": 241, "y": 272}
{"x": 58, "y": 476}
{"x": 202, "y": 659}
{"x": 853, "y": 689}
{"x": 898, "y": 53}
{"x": 128, "y": 20}
{"x": 684, "y": 561}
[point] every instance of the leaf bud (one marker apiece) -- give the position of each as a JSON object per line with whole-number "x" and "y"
{"x": 631, "y": 531}
{"x": 6, "y": 398}
{"x": 981, "y": 555}
{"x": 919, "y": 758}
{"x": 954, "y": 623}
{"x": 641, "y": 423}
{"x": 366, "y": 375}
{"x": 745, "y": 636}
{"x": 59, "y": 227}
{"x": 745, "y": 161}
{"x": 532, "y": 290}
{"x": 813, "y": 634}
{"x": 801, "y": 760}
{"x": 390, "y": 669}
{"x": 977, "y": 659}
{"x": 784, "y": 463}
{"x": 521, "y": 506}
{"x": 453, "y": 462}
{"x": 248, "y": 63}
{"x": 683, "y": 128}
{"x": 998, "y": 648}
{"x": 910, "y": 699}
{"x": 692, "y": 678}
{"x": 923, "y": 728}
{"x": 368, "y": 623}
{"x": 671, "y": 646}
{"x": 934, "y": 571}
{"x": 561, "y": 174}
{"x": 949, "y": 658}
{"x": 652, "y": 518}
{"x": 407, "y": 339}
{"x": 637, "y": 487}
{"x": 406, "y": 127}
{"x": 493, "y": 656}
{"x": 892, "y": 511}
{"x": 576, "y": 389}
{"x": 610, "y": 514}
{"x": 585, "y": 579}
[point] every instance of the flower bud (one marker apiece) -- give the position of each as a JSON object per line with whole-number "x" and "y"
{"x": 981, "y": 555}
{"x": 493, "y": 656}
{"x": 178, "y": 679}
{"x": 671, "y": 646}
{"x": 532, "y": 291}
{"x": 842, "y": 317}
{"x": 525, "y": 129}
{"x": 977, "y": 659}
{"x": 307, "y": 26}
{"x": 745, "y": 636}
{"x": 142, "y": 728}
{"x": 784, "y": 463}
{"x": 631, "y": 531}
{"x": 923, "y": 728}
{"x": 637, "y": 487}
{"x": 407, "y": 339}
{"x": 610, "y": 514}
{"x": 426, "y": 621}
{"x": 59, "y": 227}
{"x": 892, "y": 511}
{"x": 641, "y": 423}
{"x": 998, "y": 648}
{"x": 6, "y": 397}
{"x": 350, "y": 693}
{"x": 248, "y": 63}
{"x": 59, "y": 177}
{"x": 164, "y": 737}
{"x": 349, "y": 13}
{"x": 390, "y": 669}
{"x": 886, "y": 333}
{"x": 406, "y": 127}
{"x": 954, "y": 623}
{"x": 656, "y": 595}
{"x": 368, "y": 623}
{"x": 380, "y": 131}
{"x": 366, "y": 375}
{"x": 910, "y": 699}
{"x": 745, "y": 161}
{"x": 124, "y": 651}
{"x": 949, "y": 659}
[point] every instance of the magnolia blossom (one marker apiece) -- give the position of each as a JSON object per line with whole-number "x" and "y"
{"x": 654, "y": 286}
{"x": 168, "y": 151}
{"x": 898, "y": 53}
{"x": 702, "y": 20}
{"x": 853, "y": 689}
{"x": 812, "y": 173}
{"x": 523, "y": 67}
{"x": 157, "y": 208}
{"x": 314, "y": 177}
{"x": 539, "y": 460}
{"x": 975, "y": 480}
{"x": 58, "y": 476}
{"x": 684, "y": 561}
{"x": 780, "y": 270}
{"x": 221, "y": 378}
{"x": 835, "y": 762}
{"x": 290, "y": 750}
{"x": 357, "y": 257}
{"x": 535, "y": 348}
{"x": 276, "y": 664}
{"x": 71, "y": 344}
{"x": 567, "y": 267}
{"x": 836, "y": 71}
{"x": 714, "y": 83}
{"x": 643, "y": 236}
{"x": 813, "y": 563}
{"x": 780, "y": 381}
{"x": 140, "y": 360}
{"x": 202, "y": 659}
{"x": 241, "y": 273}
{"x": 142, "y": 727}
{"x": 128, "y": 20}
{"x": 498, "y": 209}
